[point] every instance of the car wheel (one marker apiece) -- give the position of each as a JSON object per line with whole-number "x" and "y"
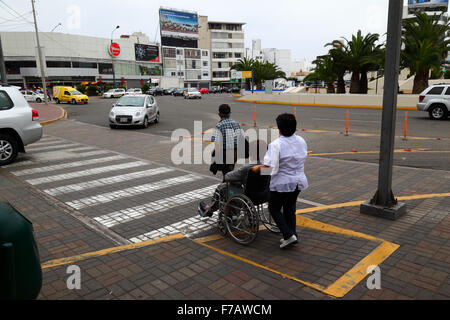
{"x": 38, "y": 100}
{"x": 9, "y": 148}
{"x": 157, "y": 118}
{"x": 438, "y": 112}
{"x": 73, "y": 101}
{"x": 145, "y": 124}
{"x": 112, "y": 126}
{"x": 57, "y": 101}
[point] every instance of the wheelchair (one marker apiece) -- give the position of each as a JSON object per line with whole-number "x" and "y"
{"x": 242, "y": 208}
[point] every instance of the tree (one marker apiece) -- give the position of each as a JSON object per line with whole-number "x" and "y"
{"x": 261, "y": 71}
{"x": 337, "y": 54}
{"x": 324, "y": 71}
{"x": 359, "y": 55}
{"x": 244, "y": 65}
{"x": 425, "y": 46}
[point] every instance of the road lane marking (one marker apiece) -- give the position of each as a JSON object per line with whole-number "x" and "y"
{"x": 84, "y": 173}
{"x": 105, "y": 181}
{"x": 79, "y": 148}
{"x": 104, "y": 252}
{"x": 131, "y": 192}
{"x": 122, "y": 216}
{"x": 66, "y": 165}
{"x": 57, "y": 147}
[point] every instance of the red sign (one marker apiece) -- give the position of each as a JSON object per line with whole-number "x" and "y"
{"x": 114, "y": 49}
{"x": 142, "y": 82}
{"x": 122, "y": 81}
{"x": 100, "y": 80}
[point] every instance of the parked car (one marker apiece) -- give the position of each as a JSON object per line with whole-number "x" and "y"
{"x": 169, "y": 91}
{"x": 233, "y": 89}
{"x": 436, "y": 101}
{"x": 133, "y": 91}
{"x": 31, "y": 96}
{"x": 155, "y": 91}
{"x": 204, "y": 90}
{"x": 215, "y": 89}
{"x": 19, "y": 124}
{"x": 114, "y": 93}
{"x": 179, "y": 92}
{"x": 134, "y": 110}
{"x": 192, "y": 93}
{"x": 69, "y": 95}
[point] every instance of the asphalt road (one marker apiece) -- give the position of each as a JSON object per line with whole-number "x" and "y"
{"x": 322, "y": 128}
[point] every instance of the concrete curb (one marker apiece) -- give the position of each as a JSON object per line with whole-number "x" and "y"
{"x": 323, "y": 105}
{"x": 63, "y": 116}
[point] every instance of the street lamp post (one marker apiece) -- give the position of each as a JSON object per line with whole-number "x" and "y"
{"x": 59, "y": 24}
{"x": 112, "y": 58}
{"x": 384, "y": 204}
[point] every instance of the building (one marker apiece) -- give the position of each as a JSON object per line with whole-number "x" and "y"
{"x": 72, "y": 59}
{"x": 255, "y": 52}
{"x": 191, "y": 66}
{"x": 225, "y": 40}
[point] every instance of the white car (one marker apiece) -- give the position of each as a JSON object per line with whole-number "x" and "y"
{"x": 192, "y": 93}
{"x": 133, "y": 91}
{"x": 114, "y": 93}
{"x": 134, "y": 110}
{"x": 436, "y": 101}
{"x": 19, "y": 124}
{"x": 31, "y": 96}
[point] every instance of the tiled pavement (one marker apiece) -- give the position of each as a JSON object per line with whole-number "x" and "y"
{"x": 87, "y": 188}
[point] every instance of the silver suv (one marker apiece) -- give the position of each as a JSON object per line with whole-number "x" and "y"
{"x": 436, "y": 101}
{"x": 19, "y": 124}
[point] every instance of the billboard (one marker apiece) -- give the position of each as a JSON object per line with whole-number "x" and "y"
{"x": 425, "y": 3}
{"x": 145, "y": 52}
{"x": 178, "y": 28}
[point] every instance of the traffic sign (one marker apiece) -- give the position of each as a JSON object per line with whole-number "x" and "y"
{"x": 114, "y": 49}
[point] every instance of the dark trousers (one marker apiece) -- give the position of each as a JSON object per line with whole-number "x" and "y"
{"x": 287, "y": 220}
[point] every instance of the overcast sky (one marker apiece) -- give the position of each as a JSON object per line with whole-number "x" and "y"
{"x": 304, "y": 26}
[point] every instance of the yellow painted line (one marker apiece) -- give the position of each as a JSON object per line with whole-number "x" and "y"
{"x": 104, "y": 252}
{"x": 258, "y": 265}
{"x": 355, "y": 275}
{"x": 419, "y": 150}
{"x": 63, "y": 116}
{"x": 425, "y": 196}
{"x": 324, "y": 105}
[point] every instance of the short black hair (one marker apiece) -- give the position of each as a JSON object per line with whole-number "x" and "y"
{"x": 224, "y": 110}
{"x": 287, "y": 124}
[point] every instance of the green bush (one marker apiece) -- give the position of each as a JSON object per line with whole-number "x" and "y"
{"x": 81, "y": 88}
{"x": 447, "y": 74}
{"x": 92, "y": 90}
{"x": 145, "y": 88}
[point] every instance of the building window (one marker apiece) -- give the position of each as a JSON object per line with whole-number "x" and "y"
{"x": 13, "y": 67}
{"x": 192, "y": 53}
{"x": 206, "y": 74}
{"x": 58, "y": 64}
{"x": 221, "y": 74}
{"x": 215, "y": 26}
{"x": 150, "y": 70}
{"x": 179, "y": 52}
{"x": 170, "y": 63}
{"x": 105, "y": 68}
{"x": 169, "y": 52}
{"x": 205, "y": 63}
{"x": 238, "y": 55}
{"x": 205, "y": 53}
{"x": 219, "y": 55}
{"x": 173, "y": 74}
{"x": 87, "y": 65}
{"x": 219, "y": 35}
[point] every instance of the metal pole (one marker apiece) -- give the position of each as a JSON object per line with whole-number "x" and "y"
{"x": 41, "y": 62}
{"x": 383, "y": 203}
{"x": 112, "y": 58}
{"x": 2, "y": 65}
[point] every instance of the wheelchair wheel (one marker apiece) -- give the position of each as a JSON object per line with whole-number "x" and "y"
{"x": 267, "y": 220}
{"x": 221, "y": 224}
{"x": 241, "y": 219}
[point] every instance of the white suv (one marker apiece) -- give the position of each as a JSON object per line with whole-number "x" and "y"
{"x": 114, "y": 93}
{"x": 31, "y": 96}
{"x": 436, "y": 101}
{"x": 192, "y": 93}
{"x": 19, "y": 124}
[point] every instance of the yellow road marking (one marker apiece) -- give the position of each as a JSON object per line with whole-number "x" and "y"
{"x": 104, "y": 252}
{"x": 374, "y": 152}
{"x": 306, "y": 283}
{"x": 355, "y": 275}
{"x": 63, "y": 116}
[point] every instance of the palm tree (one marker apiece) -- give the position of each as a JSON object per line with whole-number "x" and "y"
{"x": 359, "y": 53}
{"x": 324, "y": 71}
{"x": 425, "y": 46}
{"x": 337, "y": 54}
{"x": 244, "y": 65}
{"x": 266, "y": 71}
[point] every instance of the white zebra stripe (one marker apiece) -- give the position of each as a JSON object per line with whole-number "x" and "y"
{"x": 106, "y": 181}
{"x": 84, "y": 173}
{"x": 76, "y": 149}
{"x": 66, "y": 165}
{"x": 130, "y": 192}
{"x": 130, "y": 214}
{"x": 60, "y": 146}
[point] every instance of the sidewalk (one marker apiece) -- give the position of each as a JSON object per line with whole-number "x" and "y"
{"x": 49, "y": 113}
{"x": 175, "y": 255}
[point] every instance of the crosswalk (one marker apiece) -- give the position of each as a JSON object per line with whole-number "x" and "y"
{"x": 134, "y": 198}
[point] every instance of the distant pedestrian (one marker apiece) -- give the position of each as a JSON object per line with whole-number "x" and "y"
{"x": 226, "y": 136}
{"x": 286, "y": 158}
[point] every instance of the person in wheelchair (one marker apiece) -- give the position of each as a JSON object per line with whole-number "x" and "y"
{"x": 236, "y": 178}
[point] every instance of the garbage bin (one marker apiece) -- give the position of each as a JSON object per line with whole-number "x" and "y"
{"x": 20, "y": 268}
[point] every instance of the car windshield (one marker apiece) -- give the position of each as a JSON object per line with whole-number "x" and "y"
{"x": 75, "y": 92}
{"x": 192, "y": 90}
{"x": 130, "y": 101}
{"x": 111, "y": 91}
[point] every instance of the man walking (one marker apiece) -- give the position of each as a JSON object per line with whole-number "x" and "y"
{"x": 226, "y": 137}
